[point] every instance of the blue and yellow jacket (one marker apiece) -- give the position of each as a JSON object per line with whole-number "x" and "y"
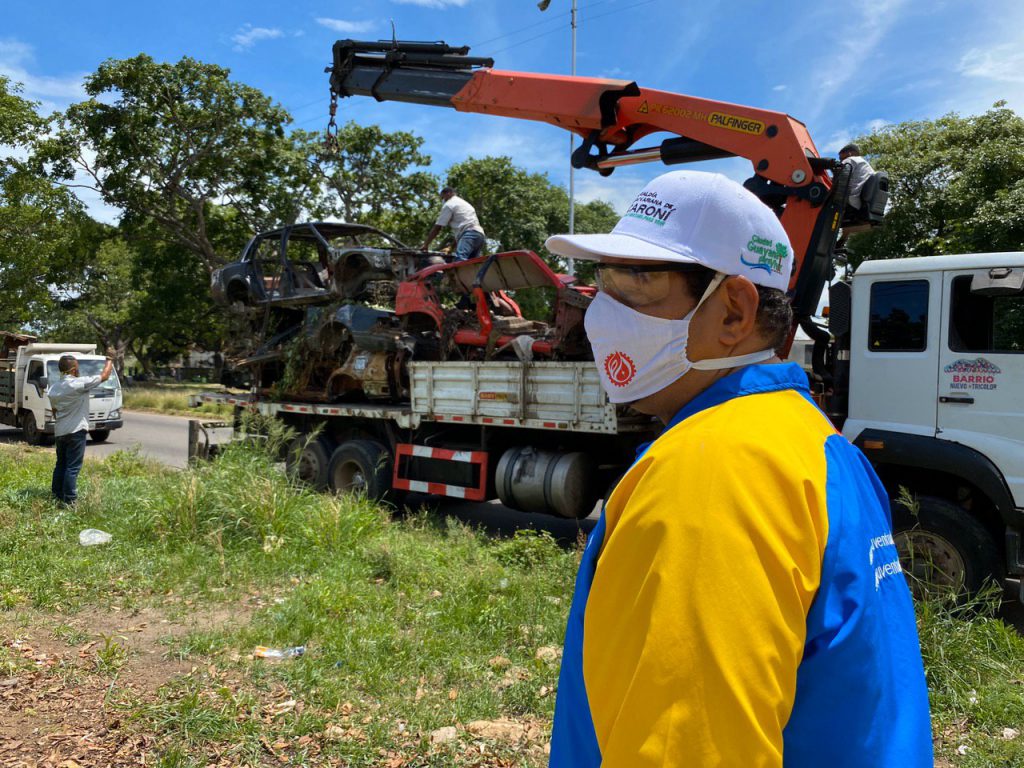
{"x": 740, "y": 601}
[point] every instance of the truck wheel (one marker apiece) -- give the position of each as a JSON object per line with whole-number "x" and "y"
{"x": 361, "y": 466}
{"x": 33, "y": 436}
{"x": 99, "y": 435}
{"x": 943, "y": 550}
{"x": 307, "y": 460}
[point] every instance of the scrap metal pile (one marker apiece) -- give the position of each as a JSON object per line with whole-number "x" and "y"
{"x": 327, "y": 312}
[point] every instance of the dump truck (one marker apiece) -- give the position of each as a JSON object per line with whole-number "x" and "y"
{"x": 28, "y": 367}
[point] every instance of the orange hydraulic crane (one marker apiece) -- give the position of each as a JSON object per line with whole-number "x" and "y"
{"x": 611, "y": 116}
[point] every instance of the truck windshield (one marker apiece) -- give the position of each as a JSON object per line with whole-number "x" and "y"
{"x": 85, "y": 368}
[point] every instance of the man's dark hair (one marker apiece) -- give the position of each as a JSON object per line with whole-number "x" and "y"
{"x": 66, "y": 363}
{"x": 774, "y": 312}
{"x": 448, "y": 191}
{"x": 850, "y": 149}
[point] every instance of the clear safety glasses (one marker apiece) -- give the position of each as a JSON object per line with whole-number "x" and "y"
{"x": 637, "y": 285}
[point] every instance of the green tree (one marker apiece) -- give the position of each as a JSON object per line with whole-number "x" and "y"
{"x": 374, "y": 178}
{"x": 41, "y": 221}
{"x": 957, "y": 186}
{"x": 148, "y": 299}
{"x": 519, "y": 209}
{"x": 172, "y": 143}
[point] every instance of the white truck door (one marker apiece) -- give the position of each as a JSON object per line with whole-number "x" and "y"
{"x": 894, "y": 353}
{"x": 33, "y": 398}
{"x": 981, "y": 374}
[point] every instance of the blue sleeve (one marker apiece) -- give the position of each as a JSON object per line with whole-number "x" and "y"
{"x": 861, "y": 636}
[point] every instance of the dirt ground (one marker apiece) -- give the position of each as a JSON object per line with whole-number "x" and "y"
{"x": 60, "y": 709}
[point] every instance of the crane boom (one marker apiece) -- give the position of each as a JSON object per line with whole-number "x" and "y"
{"x": 611, "y": 116}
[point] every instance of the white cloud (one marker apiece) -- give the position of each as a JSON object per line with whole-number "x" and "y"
{"x": 434, "y": 3}
{"x": 248, "y": 36}
{"x": 535, "y": 148}
{"x": 778, "y": 87}
{"x": 841, "y": 138}
{"x": 1002, "y": 63}
{"x": 15, "y": 56}
{"x": 347, "y": 27}
{"x": 618, "y": 189}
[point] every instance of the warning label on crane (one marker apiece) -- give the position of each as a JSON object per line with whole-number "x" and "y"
{"x": 717, "y": 119}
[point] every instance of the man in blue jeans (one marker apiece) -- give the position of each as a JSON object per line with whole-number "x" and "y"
{"x": 69, "y": 399}
{"x": 460, "y": 217}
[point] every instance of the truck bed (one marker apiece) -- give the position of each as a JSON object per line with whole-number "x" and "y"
{"x": 7, "y": 393}
{"x": 559, "y": 396}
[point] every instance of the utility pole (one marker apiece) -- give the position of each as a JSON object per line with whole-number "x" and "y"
{"x": 572, "y": 138}
{"x": 571, "y": 263}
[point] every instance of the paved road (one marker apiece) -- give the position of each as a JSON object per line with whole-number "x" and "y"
{"x": 165, "y": 439}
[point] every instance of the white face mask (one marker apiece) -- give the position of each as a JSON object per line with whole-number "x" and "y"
{"x": 638, "y": 355}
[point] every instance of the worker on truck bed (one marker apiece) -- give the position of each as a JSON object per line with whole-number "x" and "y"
{"x": 860, "y": 172}
{"x": 740, "y": 602}
{"x": 461, "y": 218}
{"x": 69, "y": 399}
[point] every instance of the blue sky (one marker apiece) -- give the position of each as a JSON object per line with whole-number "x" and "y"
{"x": 842, "y": 68}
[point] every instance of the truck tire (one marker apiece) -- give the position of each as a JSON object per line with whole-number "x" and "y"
{"x": 943, "y": 549}
{"x": 32, "y": 433}
{"x": 99, "y": 435}
{"x": 307, "y": 460}
{"x": 361, "y": 466}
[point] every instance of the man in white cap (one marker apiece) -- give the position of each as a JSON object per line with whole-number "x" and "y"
{"x": 740, "y": 602}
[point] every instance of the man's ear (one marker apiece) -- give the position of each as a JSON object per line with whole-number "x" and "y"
{"x": 739, "y": 301}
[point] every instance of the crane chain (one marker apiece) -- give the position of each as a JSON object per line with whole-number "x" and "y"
{"x": 331, "y": 138}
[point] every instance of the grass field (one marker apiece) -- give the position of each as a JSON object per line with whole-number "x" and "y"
{"x": 172, "y": 399}
{"x": 427, "y": 644}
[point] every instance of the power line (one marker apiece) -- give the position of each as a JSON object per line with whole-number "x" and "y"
{"x": 583, "y": 17}
{"x": 550, "y": 18}
{"x": 542, "y": 22}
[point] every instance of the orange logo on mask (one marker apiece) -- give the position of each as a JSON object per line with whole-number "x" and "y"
{"x": 620, "y": 368}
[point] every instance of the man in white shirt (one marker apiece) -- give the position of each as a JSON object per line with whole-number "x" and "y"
{"x": 460, "y": 217}
{"x": 860, "y": 171}
{"x": 69, "y": 399}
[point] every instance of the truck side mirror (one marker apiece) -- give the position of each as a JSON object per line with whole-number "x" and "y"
{"x": 42, "y": 384}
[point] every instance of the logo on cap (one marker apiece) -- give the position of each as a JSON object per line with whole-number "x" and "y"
{"x": 649, "y": 207}
{"x": 769, "y": 253}
{"x": 619, "y": 368}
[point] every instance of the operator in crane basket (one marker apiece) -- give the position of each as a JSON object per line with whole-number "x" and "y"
{"x": 740, "y": 602}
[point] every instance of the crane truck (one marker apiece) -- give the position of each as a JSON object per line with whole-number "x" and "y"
{"x": 920, "y": 361}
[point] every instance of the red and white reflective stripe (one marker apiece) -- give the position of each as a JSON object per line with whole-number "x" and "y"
{"x": 426, "y": 452}
{"x": 439, "y": 489}
{"x": 440, "y": 454}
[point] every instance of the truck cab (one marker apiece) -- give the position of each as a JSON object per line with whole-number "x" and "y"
{"x": 936, "y": 402}
{"x": 29, "y": 370}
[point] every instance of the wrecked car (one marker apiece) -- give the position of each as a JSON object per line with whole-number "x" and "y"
{"x": 351, "y": 333}
{"x": 314, "y": 262}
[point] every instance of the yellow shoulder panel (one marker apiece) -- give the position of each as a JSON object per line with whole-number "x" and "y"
{"x": 696, "y": 620}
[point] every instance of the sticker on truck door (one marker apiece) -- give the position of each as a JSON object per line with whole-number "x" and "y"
{"x": 973, "y": 374}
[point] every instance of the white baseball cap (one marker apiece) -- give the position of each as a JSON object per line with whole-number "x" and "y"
{"x": 698, "y": 218}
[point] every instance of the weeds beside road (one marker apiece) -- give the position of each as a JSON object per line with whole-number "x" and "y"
{"x": 427, "y": 643}
{"x": 172, "y": 399}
